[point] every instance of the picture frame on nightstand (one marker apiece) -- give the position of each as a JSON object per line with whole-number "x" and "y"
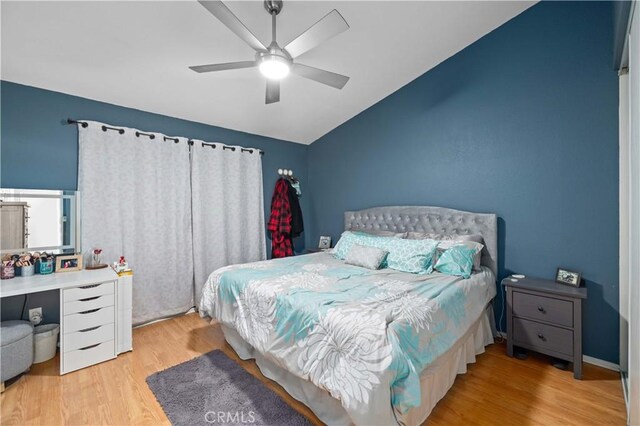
{"x": 325, "y": 242}
{"x": 567, "y": 277}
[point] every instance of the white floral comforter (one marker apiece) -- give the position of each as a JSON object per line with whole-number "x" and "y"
{"x": 364, "y": 336}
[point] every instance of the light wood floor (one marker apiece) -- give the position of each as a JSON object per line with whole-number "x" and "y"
{"x": 496, "y": 390}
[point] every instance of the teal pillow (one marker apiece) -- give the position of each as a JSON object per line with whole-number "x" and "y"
{"x": 348, "y": 239}
{"x": 457, "y": 260}
{"x": 414, "y": 256}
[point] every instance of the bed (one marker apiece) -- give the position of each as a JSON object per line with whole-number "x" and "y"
{"x": 357, "y": 345}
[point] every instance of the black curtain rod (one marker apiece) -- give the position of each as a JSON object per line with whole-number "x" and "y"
{"x": 232, "y": 148}
{"x": 82, "y": 123}
{"x": 149, "y": 135}
{"x": 166, "y": 138}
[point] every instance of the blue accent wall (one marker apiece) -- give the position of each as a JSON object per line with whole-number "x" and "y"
{"x": 523, "y": 123}
{"x": 39, "y": 152}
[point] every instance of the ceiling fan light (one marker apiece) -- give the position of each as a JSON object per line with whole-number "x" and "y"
{"x": 274, "y": 68}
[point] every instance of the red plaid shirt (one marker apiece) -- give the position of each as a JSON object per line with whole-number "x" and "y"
{"x": 280, "y": 221}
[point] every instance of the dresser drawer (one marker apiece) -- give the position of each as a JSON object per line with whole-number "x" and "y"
{"x": 88, "y": 304}
{"x": 82, "y": 321}
{"x": 541, "y": 337}
{"x": 86, "y": 292}
{"x": 85, "y": 357}
{"x": 89, "y": 337}
{"x": 543, "y": 308}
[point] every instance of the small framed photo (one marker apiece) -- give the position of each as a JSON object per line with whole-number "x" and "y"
{"x": 325, "y": 242}
{"x": 572, "y": 278}
{"x": 69, "y": 263}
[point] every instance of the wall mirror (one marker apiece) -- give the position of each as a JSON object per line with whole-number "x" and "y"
{"x": 39, "y": 220}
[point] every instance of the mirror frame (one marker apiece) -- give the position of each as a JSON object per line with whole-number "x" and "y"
{"x": 74, "y": 237}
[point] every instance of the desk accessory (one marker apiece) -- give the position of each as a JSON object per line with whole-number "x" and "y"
{"x": 96, "y": 260}
{"x": 68, "y": 263}
{"x": 44, "y": 263}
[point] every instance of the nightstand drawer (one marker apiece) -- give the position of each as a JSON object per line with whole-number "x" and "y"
{"x": 539, "y": 337}
{"x": 543, "y": 308}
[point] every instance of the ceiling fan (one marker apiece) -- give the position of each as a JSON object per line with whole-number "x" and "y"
{"x": 276, "y": 62}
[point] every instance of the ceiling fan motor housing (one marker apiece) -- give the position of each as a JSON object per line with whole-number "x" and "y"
{"x": 273, "y": 6}
{"x": 274, "y": 52}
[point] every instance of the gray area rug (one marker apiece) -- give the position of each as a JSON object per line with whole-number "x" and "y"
{"x": 213, "y": 389}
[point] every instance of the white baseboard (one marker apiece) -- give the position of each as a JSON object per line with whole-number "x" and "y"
{"x": 190, "y": 311}
{"x": 625, "y": 392}
{"x": 600, "y": 363}
{"x": 585, "y": 358}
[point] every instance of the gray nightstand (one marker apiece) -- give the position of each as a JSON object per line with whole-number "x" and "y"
{"x": 545, "y": 317}
{"x": 315, "y": 250}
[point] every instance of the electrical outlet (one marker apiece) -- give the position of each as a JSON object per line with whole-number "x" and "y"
{"x": 35, "y": 316}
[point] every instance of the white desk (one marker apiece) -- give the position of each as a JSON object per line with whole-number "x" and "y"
{"x": 37, "y": 283}
{"x": 95, "y": 313}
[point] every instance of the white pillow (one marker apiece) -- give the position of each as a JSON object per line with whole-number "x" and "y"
{"x": 366, "y": 257}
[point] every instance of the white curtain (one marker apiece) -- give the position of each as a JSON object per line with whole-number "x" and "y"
{"x": 227, "y": 205}
{"x": 136, "y": 201}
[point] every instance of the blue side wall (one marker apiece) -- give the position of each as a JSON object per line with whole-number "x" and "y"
{"x": 523, "y": 123}
{"x": 38, "y": 152}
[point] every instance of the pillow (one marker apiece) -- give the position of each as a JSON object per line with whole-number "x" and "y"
{"x": 367, "y": 257}
{"x": 413, "y": 256}
{"x": 448, "y": 240}
{"x": 457, "y": 260}
{"x": 347, "y": 240}
{"x": 424, "y": 236}
{"x": 381, "y": 233}
{"x": 470, "y": 243}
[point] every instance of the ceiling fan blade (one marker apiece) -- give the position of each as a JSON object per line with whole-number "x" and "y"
{"x": 231, "y": 21}
{"x": 273, "y": 91}
{"x": 321, "y": 76}
{"x": 331, "y": 25}
{"x": 223, "y": 67}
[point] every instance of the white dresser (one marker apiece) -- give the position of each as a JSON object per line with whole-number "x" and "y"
{"x": 95, "y": 313}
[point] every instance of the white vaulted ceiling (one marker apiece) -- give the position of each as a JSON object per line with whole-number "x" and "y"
{"x": 136, "y": 54}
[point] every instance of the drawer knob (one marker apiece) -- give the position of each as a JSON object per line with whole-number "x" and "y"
{"x": 540, "y": 336}
{"x": 540, "y": 309}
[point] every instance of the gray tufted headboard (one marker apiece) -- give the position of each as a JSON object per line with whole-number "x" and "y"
{"x": 430, "y": 219}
